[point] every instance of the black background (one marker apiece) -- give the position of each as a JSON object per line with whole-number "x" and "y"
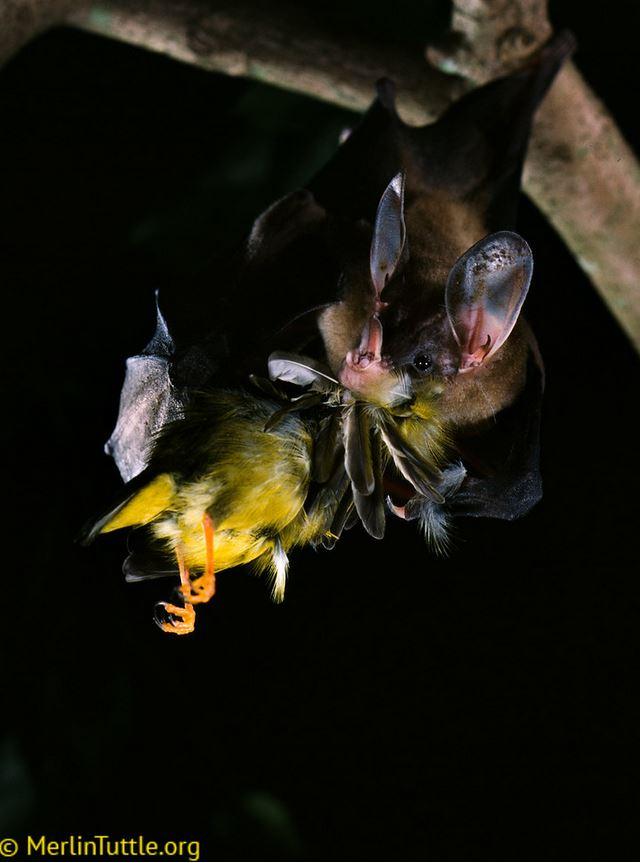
{"x": 484, "y": 707}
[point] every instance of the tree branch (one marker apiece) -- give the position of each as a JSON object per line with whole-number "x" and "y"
{"x": 580, "y": 171}
{"x": 22, "y": 20}
{"x": 285, "y": 48}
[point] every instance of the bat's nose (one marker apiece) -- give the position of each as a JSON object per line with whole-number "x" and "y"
{"x": 370, "y": 347}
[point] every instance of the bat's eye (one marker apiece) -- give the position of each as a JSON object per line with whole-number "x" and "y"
{"x": 422, "y": 362}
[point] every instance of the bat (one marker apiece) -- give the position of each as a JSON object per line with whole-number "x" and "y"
{"x": 433, "y": 279}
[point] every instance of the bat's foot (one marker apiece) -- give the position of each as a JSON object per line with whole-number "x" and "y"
{"x": 201, "y": 589}
{"x": 175, "y": 618}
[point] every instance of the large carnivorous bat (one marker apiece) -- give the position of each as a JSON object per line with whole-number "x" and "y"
{"x": 417, "y": 224}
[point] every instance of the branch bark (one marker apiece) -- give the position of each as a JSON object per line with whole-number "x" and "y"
{"x": 286, "y": 48}
{"x": 22, "y": 20}
{"x": 580, "y": 171}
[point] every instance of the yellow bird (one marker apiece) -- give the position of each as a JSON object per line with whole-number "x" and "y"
{"x": 220, "y": 491}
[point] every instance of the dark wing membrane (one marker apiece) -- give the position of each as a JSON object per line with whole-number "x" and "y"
{"x": 474, "y": 151}
{"x": 288, "y": 273}
{"x": 510, "y": 455}
{"x": 349, "y": 186}
{"x": 490, "y": 129}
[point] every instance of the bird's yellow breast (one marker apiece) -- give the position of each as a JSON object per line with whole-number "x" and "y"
{"x": 254, "y": 487}
{"x": 230, "y": 547}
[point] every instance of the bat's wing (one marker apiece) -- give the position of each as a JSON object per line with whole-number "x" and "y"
{"x": 350, "y": 185}
{"x": 503, "y": 479}
{"x": 490, "y": 127}
{"x": 500, "y": 477}
{"x": 474, "y": 151}
{"x": 289, "y": 271}
{"x": 148, "y": 400}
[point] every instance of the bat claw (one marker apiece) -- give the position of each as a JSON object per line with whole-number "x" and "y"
{"x": 174, "y": 618}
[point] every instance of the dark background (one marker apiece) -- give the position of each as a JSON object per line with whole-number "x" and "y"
{"x": 484, "y": 707}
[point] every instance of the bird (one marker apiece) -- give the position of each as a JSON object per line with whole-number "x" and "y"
{"x": 220, "y": 490}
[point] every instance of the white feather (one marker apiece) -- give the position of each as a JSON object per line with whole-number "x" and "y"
{"x": 298, "y": 370}
{"x": 279, "y": 569}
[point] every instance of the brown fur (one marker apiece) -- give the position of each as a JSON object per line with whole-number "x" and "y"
{"x": 478, "y": 395}
{"x": 342, "y": 323}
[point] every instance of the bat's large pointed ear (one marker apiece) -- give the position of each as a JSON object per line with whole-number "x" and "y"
{"x": 485, "y": 292}
{"x": 389, "y": 234}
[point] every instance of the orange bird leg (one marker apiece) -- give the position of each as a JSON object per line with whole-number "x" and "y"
{"x": 204, "y": 587}
{"x": 186, "y": 617}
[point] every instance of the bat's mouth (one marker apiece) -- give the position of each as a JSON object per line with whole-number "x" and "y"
{"x": 365, "y": 371}
{"x": 370, "y": 347}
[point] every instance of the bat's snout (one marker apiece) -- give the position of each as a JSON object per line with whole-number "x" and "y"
{"x": 370, "y": 347}
{"x": 364, "y": 371}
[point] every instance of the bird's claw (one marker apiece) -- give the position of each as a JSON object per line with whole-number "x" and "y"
{"x": 175, "y": 618}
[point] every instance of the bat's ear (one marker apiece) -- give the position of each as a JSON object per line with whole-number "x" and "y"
{"x": 485, "y": 292}
{"x": 389, "y": 234}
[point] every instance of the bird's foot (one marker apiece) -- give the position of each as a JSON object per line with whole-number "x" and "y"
{"x": 201, "y": 589}
{"x": 175, "y": 618}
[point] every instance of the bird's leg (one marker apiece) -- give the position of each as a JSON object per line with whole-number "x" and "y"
{"x": 201, "y": 589}
{"x": 179, "y": 620}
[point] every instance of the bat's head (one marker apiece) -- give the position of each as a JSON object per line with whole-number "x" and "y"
{"x": 429, "y": 325}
